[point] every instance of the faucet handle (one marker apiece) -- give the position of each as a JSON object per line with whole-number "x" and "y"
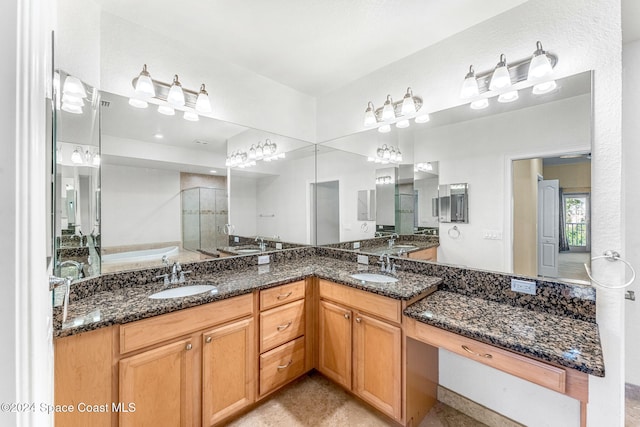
{"x": 182, "y": 273}
{"x": 165, "y": 276}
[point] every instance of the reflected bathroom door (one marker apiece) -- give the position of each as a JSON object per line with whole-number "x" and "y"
{"x": 548, "y": 227}
{"x": 327, "y": 210}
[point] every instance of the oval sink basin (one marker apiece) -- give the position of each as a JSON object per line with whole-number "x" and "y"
{"x": 376, "y": 278}
{"x": 404, "y": 246}
{"x": 247, "y": 251}
{"x": 183, "y": 291}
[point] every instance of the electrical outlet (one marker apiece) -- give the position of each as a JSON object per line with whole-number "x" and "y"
{"x": 363, "y": 259}
{"x": 263, "y": 259}
{"x": 278, "y": 246}
{"x": 523, "y": 286}
{"x": 492, "y": 235}
{"x": 356, "y": 245}
{"x": 236, "y": 239}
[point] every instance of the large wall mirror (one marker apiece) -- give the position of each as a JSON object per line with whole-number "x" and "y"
{"x": 506, "y": 155}
{"x": 154, "y": 189}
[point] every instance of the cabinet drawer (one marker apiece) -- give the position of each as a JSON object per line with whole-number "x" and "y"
{"x": 539, "y": 373}
{"x": 430, "y": 254}
{"x": 143, "y": 333}
{"x": 284, "y": 294}
{"x": 281, "y": 365}
{"x": 386, "y": 308}
{"x": 281, "y": 324}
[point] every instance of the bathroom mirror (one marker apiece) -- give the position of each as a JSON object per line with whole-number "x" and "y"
{"x": 453, "y": 203}
{"x": 477, "y": 147}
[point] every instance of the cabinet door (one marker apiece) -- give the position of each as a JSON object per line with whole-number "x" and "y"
{"x": 378, "y": 365}
{"x": 228, "y": 370}
{"x": 334, "y": 359}
{"x": 160, "y": 384}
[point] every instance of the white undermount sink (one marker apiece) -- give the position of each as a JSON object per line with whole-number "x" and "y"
{"x": 373, "y": 277}
{"x": 247, "y": 251}
{"x": 404, "y": 246}
{"x": 183, "y": 291}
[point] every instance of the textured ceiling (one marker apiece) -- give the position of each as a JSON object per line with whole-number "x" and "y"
{"x": 313, "y": 46}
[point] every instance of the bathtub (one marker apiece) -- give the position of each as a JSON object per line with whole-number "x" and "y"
{"x": 139, "y": 256}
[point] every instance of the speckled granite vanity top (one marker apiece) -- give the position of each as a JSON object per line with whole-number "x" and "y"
{"x": 561, "y": 340}
{"x": 400, "y": 248}
{"x": 130, "y": 303}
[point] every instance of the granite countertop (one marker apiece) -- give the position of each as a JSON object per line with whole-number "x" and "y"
{"x": 560, "y": 340}
{"x": 401, "y": 247}
{"x": 131, "y": 303}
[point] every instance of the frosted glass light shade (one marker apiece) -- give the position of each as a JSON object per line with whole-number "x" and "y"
{"x": 508, "y": 96}
{"x": 203, "y": 105}
{"x": 469, "y": 85}
{"x": 422, "y": 118}
{"x": 73, "y": 109}
{"x": 76, "y": 101}
{"x": 144, "y": 85}
{"x": 370, "y": 115}
{"x": 408, "y": 104}
{"x": 540, "y": 65}
{"x": 176, "y": 95}
{"x": 500, "y": 78}
{"x": 546, "y": 87}
{"x": 96, "y": 160}
{"x": 74, "y": 87}
{"x": 388, "y": 112}
{"x": 166, "y": 110}
{"x": 191, "y": 116}
{"x": 76, "y": 157}
{"x": 402, "y": 124}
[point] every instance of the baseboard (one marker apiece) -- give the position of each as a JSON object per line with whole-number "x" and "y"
{"x": 475, "y": 410}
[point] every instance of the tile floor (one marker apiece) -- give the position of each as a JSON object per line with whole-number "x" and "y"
{"x": 632, "y": 405}
{"x": 313, "y": 400}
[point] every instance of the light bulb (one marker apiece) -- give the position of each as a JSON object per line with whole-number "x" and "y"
{"x": 76, "y": 157}
{"x": 388, "y": 112}
{"x": 144, "y": 85}
{"x": 392, "y": 155}
{"x": 259, "y": 152}
{"x": 252, "y": 152}
{"x": 190, "y": 116}
{"x": 540, "y": 66}
{"x": 384, "y": 129}
{"x": 138, "y": 103}
{"x": 387, "y": 154}
{"x": 508, "y": 96}
{"x": 175, "y": 97}
{"x": 202, "y": 102}
{"x": 500, "y": 78}
{"x": 167, "y": 110}
{"x": 479, "y": 104}
{"x": 469, "y": 85}
{"x": 402, "y": 124}
{"x": 370, "y": 115}
{"x": 74, "y": 87}
{"x": 422, "y": 118}
{"x": 408, "y": 104}
{"x": 542, "y": 88}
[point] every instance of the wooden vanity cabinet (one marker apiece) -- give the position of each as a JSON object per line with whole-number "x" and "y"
{"x": 360, "y": 345}
{"x": 429, "y": 254}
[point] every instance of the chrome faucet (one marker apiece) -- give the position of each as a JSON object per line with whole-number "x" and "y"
{"x": 58, "y": 281}
{"x": 392, "y": 239}
{"x": 177, "y": 275}
{"x": 262, "y": 244}
{"x": 78, "y": 265}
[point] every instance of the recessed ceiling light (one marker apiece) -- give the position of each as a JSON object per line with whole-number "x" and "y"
{"x": 158, "y": 135}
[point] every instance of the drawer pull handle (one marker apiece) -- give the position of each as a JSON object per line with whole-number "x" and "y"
{"x": 358, "y": 319}
{"x": 346, "y": 316}
{"x": 468, "y": 350}
{"x": 283, "y": 327}
{"x": 283, "y": 296}
{"x": 208, "y": 340}
{"x": 188, "y": 347}
{"x": 281, "y": 367}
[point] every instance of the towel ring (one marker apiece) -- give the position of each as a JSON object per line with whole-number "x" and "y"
{"x": 456, "y": 232}
{"x": 364, "y": 227}
{"x": 611, "y": 256}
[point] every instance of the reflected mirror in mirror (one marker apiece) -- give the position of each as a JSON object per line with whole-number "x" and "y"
{"x": 474, "y": 147}
{"x": 366, "y": 205}
{"x": 453, "y": 203}
{"x": 77, "y": 178}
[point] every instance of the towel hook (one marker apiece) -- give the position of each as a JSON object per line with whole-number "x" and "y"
{"x": 611, "y": 256}
{"x": 456, "y": 232}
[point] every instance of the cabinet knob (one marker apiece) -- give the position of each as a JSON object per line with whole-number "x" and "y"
{"x": 346, "y": 316}
{"x": 189, "y": 346}
{"x": 207, "y": 340}
{"x": 358, "y": 319}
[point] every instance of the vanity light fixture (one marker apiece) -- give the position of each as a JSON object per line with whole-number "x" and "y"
{"x": 384, "y": 180}
{"x": 76, "y": 157}
{"x": 73, "y": 95}
{"x": 423, "y": 167}
{"x": 176, "y": 97}
{"x": 262, "y": 151}
{"x": 386, "y": 154}
{"x": 96, "y": 160}
{"x": 536, "y": 70}
{"x": 395, "y": 112}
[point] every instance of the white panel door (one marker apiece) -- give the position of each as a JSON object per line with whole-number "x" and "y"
{"x": 548, "y": 227}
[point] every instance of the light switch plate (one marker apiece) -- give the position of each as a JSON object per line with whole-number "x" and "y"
{"x": 356, "y": 245}
{"x": 263, "y": 259}
{"x": 278, "y": 246}
{"x": 236, "y": 239}
{"x": 363, "y": 259}
{"x": 523, "y": 286}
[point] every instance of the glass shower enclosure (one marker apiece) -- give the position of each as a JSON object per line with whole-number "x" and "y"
{"x": 204, "y": 216}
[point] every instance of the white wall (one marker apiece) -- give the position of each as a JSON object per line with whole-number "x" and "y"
{"x": 587, "y": 36}
{"x": 474, "y": 152}
{"x": 631, "y": 147}
{"x": 243, "y": 211}
{"x": 139, "y": 206}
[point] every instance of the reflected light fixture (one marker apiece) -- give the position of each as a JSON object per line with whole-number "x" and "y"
{"x": 384, "y": 129}
{"x": 546, "y": 87}
{"x": 404, "y": 123}
{"x": 138, "y": 103}
{"x": 144, "y": 87}
{"x": 508, "y": 96}
{"x": 500, "y": 78}
{"x": 262, "y": 151}
{"x": 388, "y": 112}
{"x": 469, "y": 85}
{"x": 76, "y": 157}
{"x": 479, "y": 104}
{"x": 386, "y": 154}
{"x": 540, "y": 65}
{"x": 167, "y": 110}
{"x": 423, "y": 167}
{"x": 422, "y": 118}
{"x": 73, "y": 95}
{"x": 73, "y": 109}
{"x": 408, "y": 104}
{"x": 191, "y": 116}
{"x": 370, "y": 115}
{"x": 176, "y": 95}
{"x": 96, "y": 159}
